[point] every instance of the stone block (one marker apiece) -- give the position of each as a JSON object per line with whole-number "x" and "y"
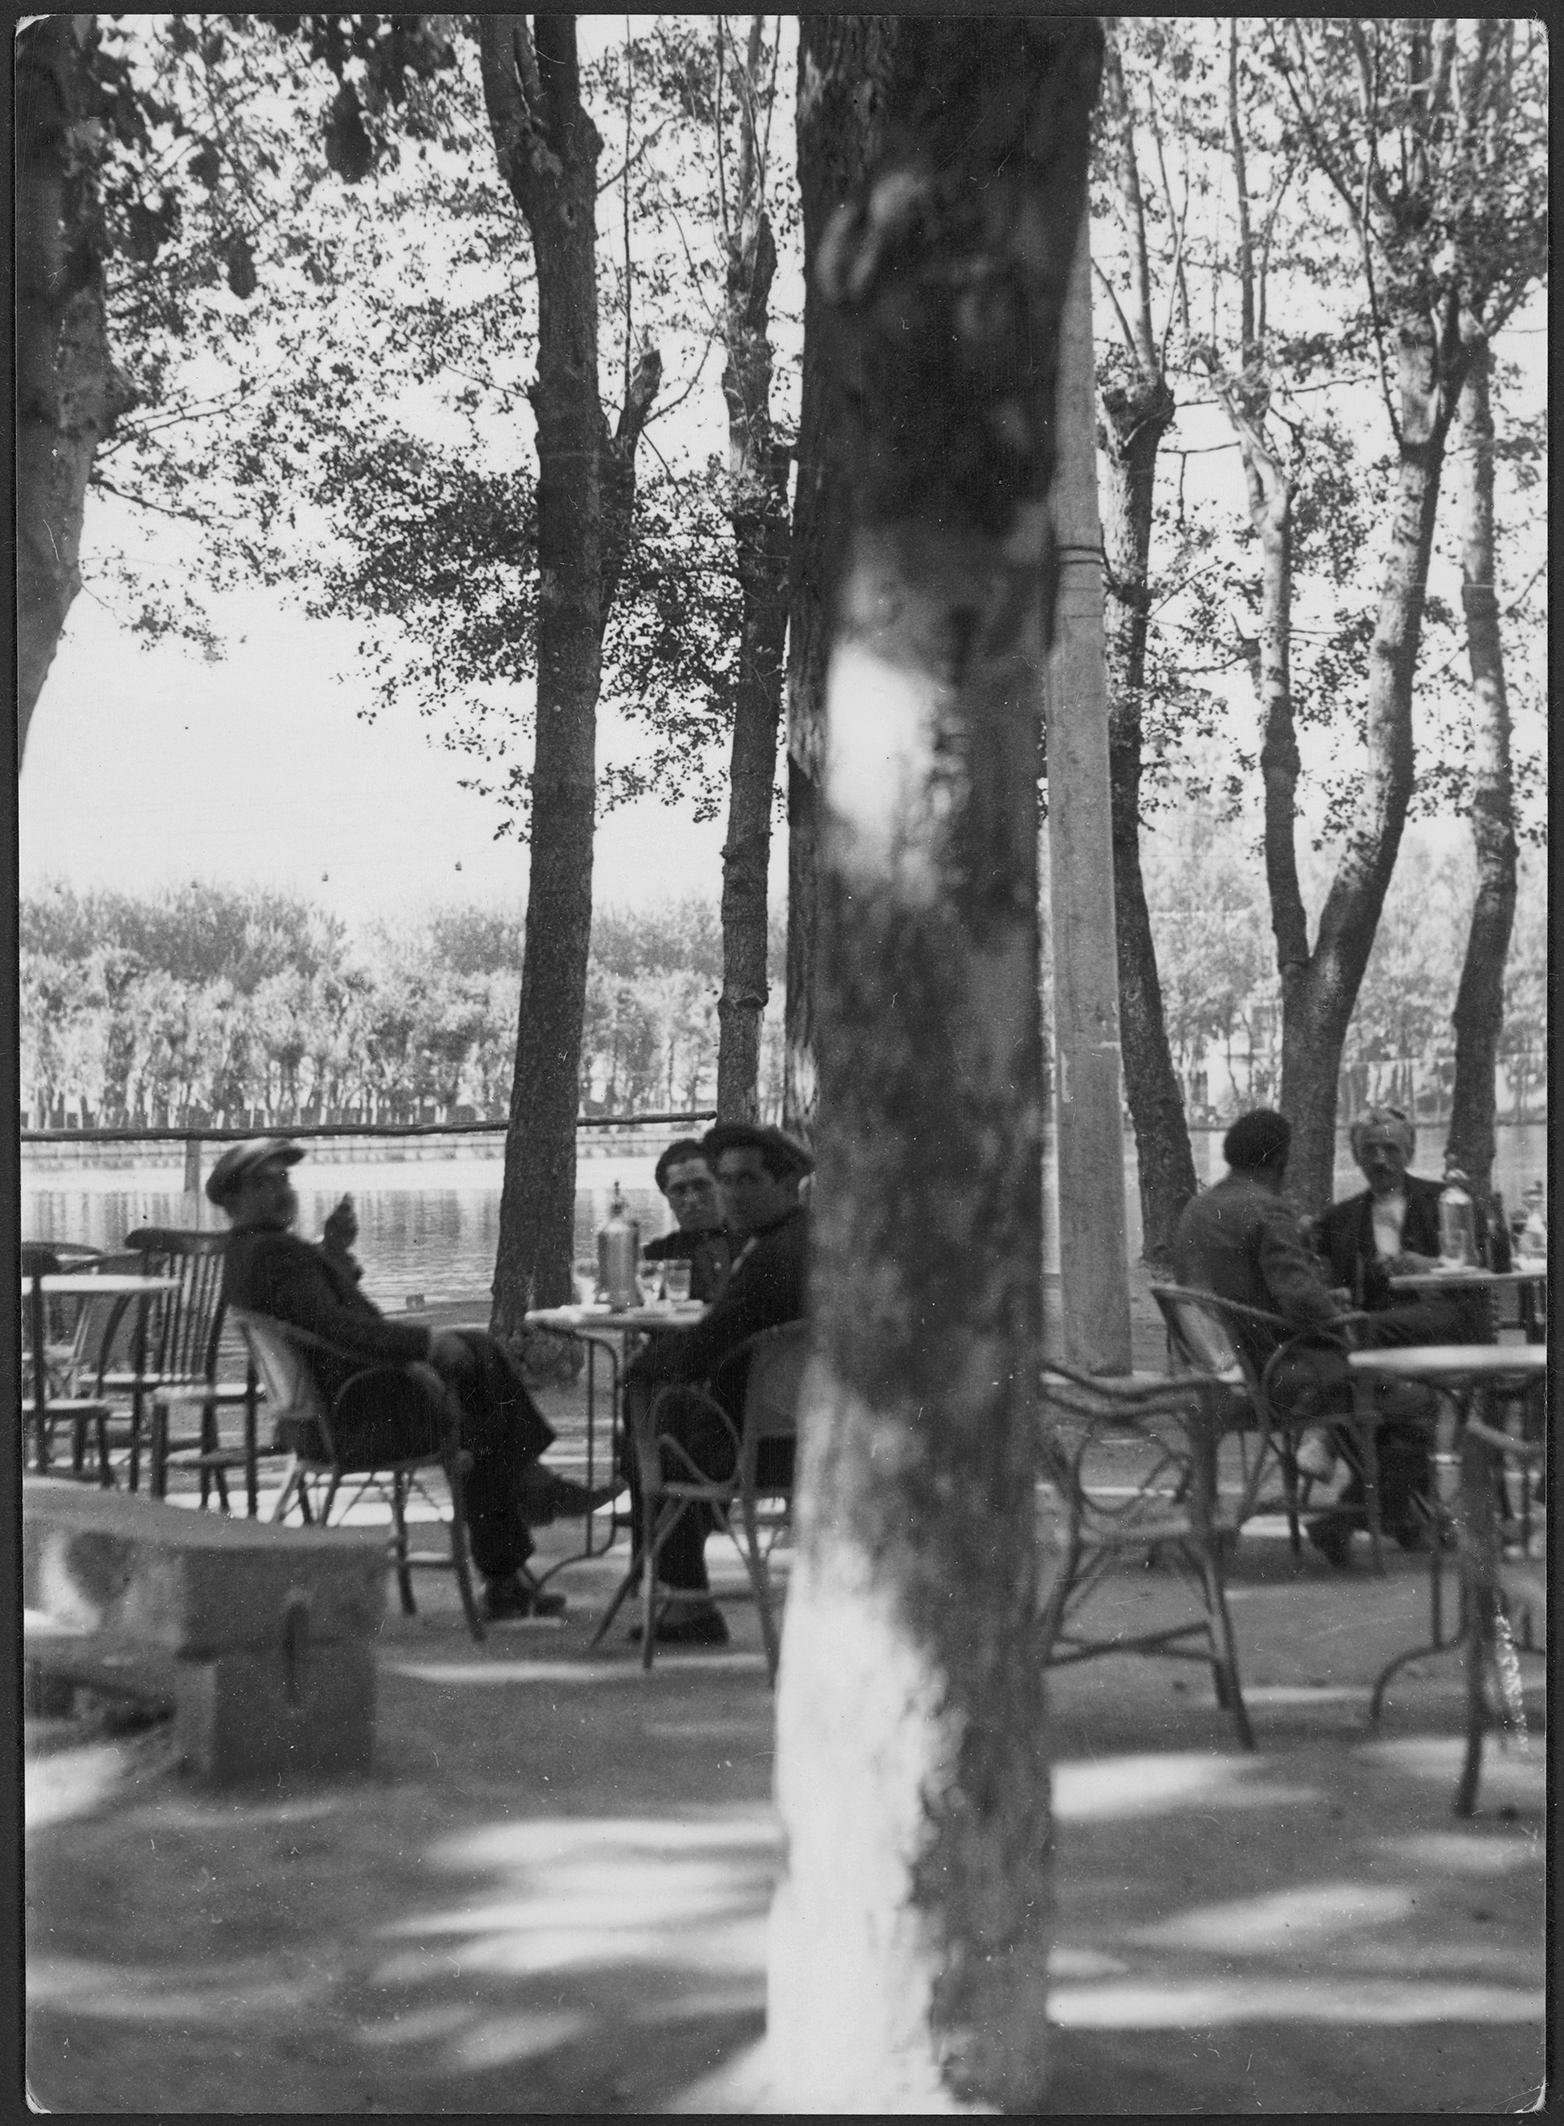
{"x": 246, "y": 1717}
{"x": 193, "y": 1583}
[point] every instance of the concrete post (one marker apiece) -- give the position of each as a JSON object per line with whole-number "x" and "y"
{"x": 1088, "y": 1104}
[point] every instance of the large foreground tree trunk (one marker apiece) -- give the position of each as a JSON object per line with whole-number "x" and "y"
{"x": 1479, "y": 1003}
{"x": 757, "y": 472}
{"x": 841, "y": 64}
{"x": 68, "y": 393}
{"x": 910, "y": 1937}
{"x": 547, "y": 148}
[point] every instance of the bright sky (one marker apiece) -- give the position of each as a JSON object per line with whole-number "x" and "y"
{"x": 147, "y": 767}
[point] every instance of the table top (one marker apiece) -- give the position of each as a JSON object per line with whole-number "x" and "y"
{"x": 1452, "y": 1361}
{"x": 1431, "y": 1280}
{"x": 682, "y": 1315}
{"x": 81, "y": 1284}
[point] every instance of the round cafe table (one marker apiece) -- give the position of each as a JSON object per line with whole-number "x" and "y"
{"x": 605, "y": 1331}
{"x": 1465, "y": 1376}
{"x": 1528, "y": 1279}
{"x": 73, "y": 1284}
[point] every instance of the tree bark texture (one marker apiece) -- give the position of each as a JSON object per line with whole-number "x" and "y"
{"x": 1136, "y": 414}
{"x": 68, "y": 392}
{"x": 909, "y": 1938}
{"x": 758, "y": 511}
{"x": 1479, "y": 1002}
{"x": 841, "y": 67}
{"x": 547, "y": 149}
{"x": 1318, "y": 998}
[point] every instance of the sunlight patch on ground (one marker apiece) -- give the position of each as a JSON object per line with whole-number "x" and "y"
{"x": 1094, "y": 1790}
{"x": 1512, "y": 1773}
{"x": 496, "y": 2040}
{"x": 1145, "y": 2005}
{"x": 1284, "y": 1922}
{"x": 416, "y": 2026}
{"x": 215, "y": 1993}
{"x": 675, "y": 1896}
{"x": 67, "y": 1783}
{"x": 1447, "y": 1853}
{"x": 578, "y": 1672}
{"x": 1067, "y": 1963}
{"x": 1304, "y": 1694}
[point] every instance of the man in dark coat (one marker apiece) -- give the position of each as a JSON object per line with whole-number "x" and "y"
{"x": 1240, "y": 1240}
{"x": 700, "y": 1238}
{"x": 759, "y": 1171}
{"x": 269, "y": 1270}
{"x": 1391, "y": 1228}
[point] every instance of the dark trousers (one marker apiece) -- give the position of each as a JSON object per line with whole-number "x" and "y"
{"x": 1318, "y": 1382}
{"x": 504, "y": 1431}
{"x": 712, "y": 1446}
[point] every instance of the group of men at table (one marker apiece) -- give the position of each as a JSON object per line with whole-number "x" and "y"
{"x": 735, "y": 1195}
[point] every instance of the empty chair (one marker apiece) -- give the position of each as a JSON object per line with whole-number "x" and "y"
{"x": 1132, "y": 1468}
{"x": 339, "y": 1458}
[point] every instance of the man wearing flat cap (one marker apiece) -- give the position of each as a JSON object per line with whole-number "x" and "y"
{"x": 269, "y": 1270}
{"x": 759, "y": 1170}
{"x": 1241, "y": 1241}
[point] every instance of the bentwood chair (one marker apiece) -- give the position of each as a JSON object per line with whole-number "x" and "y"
{"x": 752, "y": 1504}
{"x": 382, "y": 1437}
{"x": 1506, "y": 1599}
{"x": 1218, "y": 1338}
{"x": 1131, "y": 1468}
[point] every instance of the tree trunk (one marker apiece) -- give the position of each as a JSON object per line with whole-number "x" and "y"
{"x": 68, "y": 392}
{"x": 1479, "y": 1003}
{"x": 1135, "y": 424}
{"x": 841, "y": 66}
{"x": 1136, "y": 416}
{"x": 547, "y": 149}
{"x": 909, "y": 1940}
{"x": 757, "y": 472}
{"x": 1317, "y": 1003}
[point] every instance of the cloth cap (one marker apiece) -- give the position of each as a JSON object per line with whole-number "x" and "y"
{"x": 1260, "y": 1138}
{"x": 242, "y": 1159}
{"x": 783, "y": 1154}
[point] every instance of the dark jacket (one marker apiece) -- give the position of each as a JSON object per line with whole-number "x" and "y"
{"x": 1346, "y": 1240}
{"x": 708, "y": 1253}
{"x": 1242, "y": 1242}
{"x": 766, "y": 1286}
{"x": 273, "y": 1272}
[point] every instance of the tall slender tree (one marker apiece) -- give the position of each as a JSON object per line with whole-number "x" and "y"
{"x": 758, "y": 461}
{"x": 1137, "y": 409}
{"x": 69, "y": 394}
{"x": 1479, "y": 1004}
{"x": 548, "y": 147}
{"x": 1430, "y": 133}
{"x": 909, "y": 1941}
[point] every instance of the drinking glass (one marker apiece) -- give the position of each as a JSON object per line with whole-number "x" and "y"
{"x": 676, "y": 1280}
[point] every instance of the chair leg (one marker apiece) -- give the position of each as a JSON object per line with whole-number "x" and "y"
{"x": 760, "y": 1581}
{"x": 404, "y": 1577}
{"x": 460, "y": 1561}
{"x": 1224, "y": 1647}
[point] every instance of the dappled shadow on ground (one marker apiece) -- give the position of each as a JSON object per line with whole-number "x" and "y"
{"x": 552, "y": 1895}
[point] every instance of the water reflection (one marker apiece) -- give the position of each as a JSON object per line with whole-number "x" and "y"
{"x": 431, "y": 1226}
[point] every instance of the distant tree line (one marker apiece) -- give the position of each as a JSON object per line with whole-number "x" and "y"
{"x": 213, "y": 1005}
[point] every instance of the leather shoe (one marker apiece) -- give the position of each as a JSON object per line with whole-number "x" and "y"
{"x": 515, "y": 1600}
{"x": 547, "y": 1496}
{"x": 1331, "y": 1536}
{"x": 699, "y": 1627}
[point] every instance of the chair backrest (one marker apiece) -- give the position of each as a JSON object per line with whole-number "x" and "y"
{"x": 1200, "y": 1335}
{"x": 777, "y": 1358}
{"x": 290, "y": 1386}
{"x": 186, "y": 1328}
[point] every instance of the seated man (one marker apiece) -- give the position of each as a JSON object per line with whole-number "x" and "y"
{"x": 270, "y": 1270}
{"x": 759, "y": 1170}
{"x": 1392, "y": 1227}
{"x": 685, "y": 1177}
{"x": 1240, "y": 1240}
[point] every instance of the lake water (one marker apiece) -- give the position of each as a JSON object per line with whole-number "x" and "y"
{"x": 430, "y": 1226}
